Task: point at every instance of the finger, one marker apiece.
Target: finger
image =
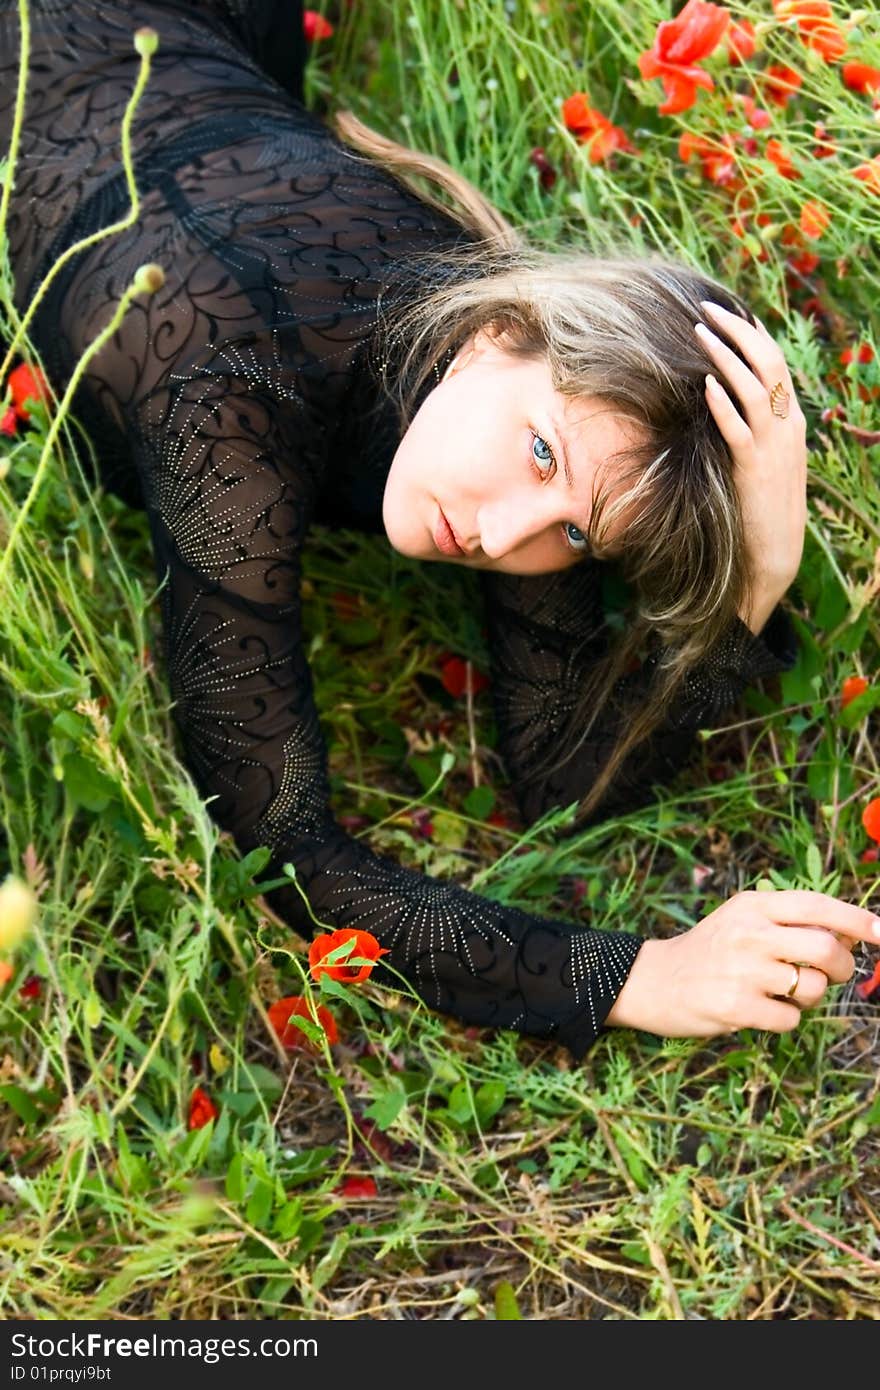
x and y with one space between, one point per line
759 349
774 1015
804 907
819 948
811 984
728 418
750 388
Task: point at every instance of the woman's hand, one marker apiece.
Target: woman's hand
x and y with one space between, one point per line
734 968
770 453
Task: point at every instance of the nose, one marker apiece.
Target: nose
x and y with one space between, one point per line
507 523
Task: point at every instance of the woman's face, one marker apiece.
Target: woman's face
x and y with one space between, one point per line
487 449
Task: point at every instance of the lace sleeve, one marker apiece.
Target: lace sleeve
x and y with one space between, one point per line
545 633
230 476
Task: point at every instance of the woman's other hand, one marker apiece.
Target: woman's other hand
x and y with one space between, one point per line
769 453
735 968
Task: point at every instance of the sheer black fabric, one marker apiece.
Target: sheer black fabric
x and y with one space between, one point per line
240 404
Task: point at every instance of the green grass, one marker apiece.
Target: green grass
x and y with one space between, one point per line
731 1179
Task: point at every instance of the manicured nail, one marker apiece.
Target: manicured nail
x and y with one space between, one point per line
711 305
712 383
703 330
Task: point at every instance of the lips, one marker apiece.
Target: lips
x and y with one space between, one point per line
444 537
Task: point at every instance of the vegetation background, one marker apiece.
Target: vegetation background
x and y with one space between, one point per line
418 1168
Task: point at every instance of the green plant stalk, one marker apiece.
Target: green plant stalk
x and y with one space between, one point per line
18 118
95 237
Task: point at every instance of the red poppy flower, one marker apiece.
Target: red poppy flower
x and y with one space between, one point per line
678 45
777 155
365 944
814 219
296 1006
32 988
860 77
869 856
27 383
852 686
546 172
871 818
9 422
864 353
593 129
865 988
804 263
357 1187
740 38
454 675
201 1109
825 148
869 172
315 26
756 116
781 83
718 157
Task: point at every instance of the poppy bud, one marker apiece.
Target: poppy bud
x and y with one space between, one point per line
148 279
18 912
146 41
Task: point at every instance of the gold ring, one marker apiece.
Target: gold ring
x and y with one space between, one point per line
795 980
779 400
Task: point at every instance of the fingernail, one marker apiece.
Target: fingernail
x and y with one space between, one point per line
875 926
710 305
701 328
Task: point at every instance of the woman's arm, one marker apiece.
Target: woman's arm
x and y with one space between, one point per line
546 632
230 476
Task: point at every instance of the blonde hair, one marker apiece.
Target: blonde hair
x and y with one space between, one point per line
618 327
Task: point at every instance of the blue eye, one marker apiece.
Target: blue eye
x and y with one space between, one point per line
578 540
536 439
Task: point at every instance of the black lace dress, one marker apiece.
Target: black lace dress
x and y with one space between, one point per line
238 405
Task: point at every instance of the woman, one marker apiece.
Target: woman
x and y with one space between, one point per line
540 413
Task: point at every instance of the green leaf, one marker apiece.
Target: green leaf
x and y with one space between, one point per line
235 1184
798 684
479 802
329 1263
19 1101
86 784
488 1100
506 1308
259 1207
386 1107
853 713
814 865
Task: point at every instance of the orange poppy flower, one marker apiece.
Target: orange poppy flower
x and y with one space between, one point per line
814 219
869 173
593 129
871 818
357 1187
864 353
6 973
781 83
852 686
740 38
865 988
804 263
365 944
201 1109
679 44
860 77
296 1006
777 155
